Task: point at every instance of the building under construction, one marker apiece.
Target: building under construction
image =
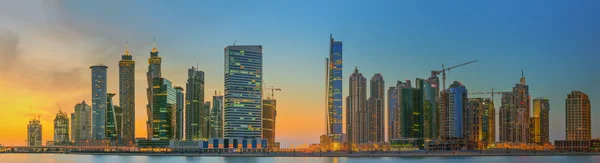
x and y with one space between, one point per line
34 132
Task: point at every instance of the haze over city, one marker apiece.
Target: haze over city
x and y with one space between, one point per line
47 47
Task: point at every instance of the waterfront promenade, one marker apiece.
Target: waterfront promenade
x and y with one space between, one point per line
357 154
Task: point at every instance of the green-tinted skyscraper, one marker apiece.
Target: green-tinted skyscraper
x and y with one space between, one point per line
194 102
113 120
164 97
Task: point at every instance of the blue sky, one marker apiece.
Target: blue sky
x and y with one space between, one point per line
556 43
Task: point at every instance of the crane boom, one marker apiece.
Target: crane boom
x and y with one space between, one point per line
443 71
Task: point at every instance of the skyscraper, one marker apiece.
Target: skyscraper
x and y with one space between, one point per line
356 109
81 128
479 122
430 91
34 132
164 97
61 129
127 97
514 114
578 123
269 116
334 91
375 112
179 104
243 91
194 102
392 99
206 120
216 117
454 102
154 71
98 101
540 122
402 112
112 123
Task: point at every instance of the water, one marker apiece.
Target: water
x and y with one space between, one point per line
66 158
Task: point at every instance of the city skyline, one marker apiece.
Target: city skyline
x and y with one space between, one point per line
570 65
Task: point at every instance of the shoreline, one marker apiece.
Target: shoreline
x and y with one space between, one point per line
340 154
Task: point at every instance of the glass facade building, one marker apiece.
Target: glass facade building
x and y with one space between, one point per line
454 102
269 117
80 122
194 102
113 126
334 90
98 101
164 98
216 117
179 113
540 122
430 98
376 112
243 91
391 103
154 71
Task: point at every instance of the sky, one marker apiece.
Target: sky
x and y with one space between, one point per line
46 48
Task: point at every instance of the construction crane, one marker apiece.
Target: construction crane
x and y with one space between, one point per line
272 89
487 93
443 71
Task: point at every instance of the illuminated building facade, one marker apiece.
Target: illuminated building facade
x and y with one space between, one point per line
514 114
216 117
154 71
540 122
61 129
194 102
243 91
430 92
127 97
578 116
206 120
34 133
333 92
179 104
98 101
454 102
164 98
477 125
356 110
392 99
113 124
375 112
269 117
81 127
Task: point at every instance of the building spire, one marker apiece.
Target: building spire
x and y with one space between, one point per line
154 48
522 77
126 48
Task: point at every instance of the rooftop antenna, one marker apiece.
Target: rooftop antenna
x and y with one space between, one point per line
234 41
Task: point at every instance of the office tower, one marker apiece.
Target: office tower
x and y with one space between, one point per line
112 123
206 120
216 117
392 99
539 122
356 109
61 129
164 97
454 102
127 97
577 114
243 91
154 71
81 127
514 114
179 104
430 92
194 101
410 110
478 122
401 120
375 112
98 101
34 132
269 116
333 92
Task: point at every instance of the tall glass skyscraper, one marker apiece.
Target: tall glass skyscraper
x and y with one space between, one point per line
164 97
112 124
194 102
334 90
243 91
127 97
154 71
540 121
80 122
179 113
391 107
430 98
98 101
216 117
454 102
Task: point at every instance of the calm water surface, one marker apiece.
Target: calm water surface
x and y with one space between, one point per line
65 158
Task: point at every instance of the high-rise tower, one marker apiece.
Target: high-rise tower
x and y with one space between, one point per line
514 114
454 102
578 122
356 109
333 91
98 101
163 109
540 121
61 129
194 102
269 117
375 111
243 91
34 132
179 105
216 117
127 97
154 71
81 127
